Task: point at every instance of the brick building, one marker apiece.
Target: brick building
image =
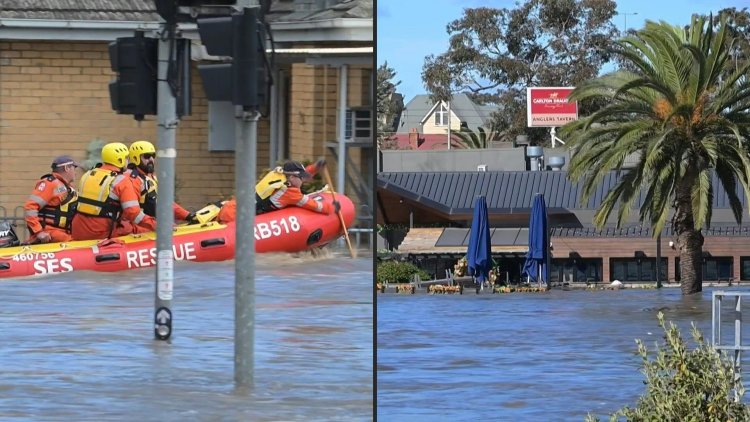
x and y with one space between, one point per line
434 207
54 98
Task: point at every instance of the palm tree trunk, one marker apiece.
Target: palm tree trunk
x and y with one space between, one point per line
690 242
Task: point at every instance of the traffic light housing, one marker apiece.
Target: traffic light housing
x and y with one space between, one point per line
243 81
135 61
189 10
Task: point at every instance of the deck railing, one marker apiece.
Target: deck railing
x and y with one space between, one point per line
736 347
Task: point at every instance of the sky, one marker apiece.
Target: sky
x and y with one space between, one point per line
409 30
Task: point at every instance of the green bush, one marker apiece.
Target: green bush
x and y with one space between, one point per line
398 272
682 385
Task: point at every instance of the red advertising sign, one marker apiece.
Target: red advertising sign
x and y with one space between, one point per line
549 107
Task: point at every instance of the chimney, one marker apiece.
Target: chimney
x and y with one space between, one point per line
414 138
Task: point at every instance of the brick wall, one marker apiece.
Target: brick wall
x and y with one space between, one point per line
313 120
607 248
54 99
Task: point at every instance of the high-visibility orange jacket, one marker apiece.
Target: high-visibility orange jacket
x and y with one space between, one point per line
51 207
125 215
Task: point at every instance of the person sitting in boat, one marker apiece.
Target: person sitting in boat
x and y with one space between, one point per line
108 200
280 188
52 204
141 167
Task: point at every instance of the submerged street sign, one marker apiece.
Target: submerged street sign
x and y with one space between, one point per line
549 107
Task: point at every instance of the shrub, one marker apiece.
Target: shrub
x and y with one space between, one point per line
399 272
682 385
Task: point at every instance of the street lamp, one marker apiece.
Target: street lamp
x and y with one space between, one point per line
625 17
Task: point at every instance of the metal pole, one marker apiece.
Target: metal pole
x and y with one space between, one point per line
166 153
343 81
658 261
449 125
244 264
552 135
273 154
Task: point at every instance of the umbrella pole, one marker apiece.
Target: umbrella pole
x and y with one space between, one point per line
539 280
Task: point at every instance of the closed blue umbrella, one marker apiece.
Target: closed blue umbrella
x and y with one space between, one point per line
479 255
535 266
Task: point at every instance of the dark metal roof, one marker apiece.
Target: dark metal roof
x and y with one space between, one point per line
145 10
642 231
507 191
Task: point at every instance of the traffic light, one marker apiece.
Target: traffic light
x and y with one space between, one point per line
240 37
135 61
188 10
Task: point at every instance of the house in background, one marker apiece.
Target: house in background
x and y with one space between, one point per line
424 124
55 71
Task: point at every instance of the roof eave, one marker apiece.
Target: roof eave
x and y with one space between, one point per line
343 29
47 29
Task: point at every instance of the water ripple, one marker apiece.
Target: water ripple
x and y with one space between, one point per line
80 346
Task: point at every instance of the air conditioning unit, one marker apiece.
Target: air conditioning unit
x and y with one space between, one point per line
482 167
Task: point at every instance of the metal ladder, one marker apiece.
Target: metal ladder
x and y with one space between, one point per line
716 338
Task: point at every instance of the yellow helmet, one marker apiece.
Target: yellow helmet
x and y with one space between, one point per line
140 147
115 153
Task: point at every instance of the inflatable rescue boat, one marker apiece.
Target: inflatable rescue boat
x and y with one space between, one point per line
291 229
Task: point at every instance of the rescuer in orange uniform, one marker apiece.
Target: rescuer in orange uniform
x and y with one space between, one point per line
283 190
142 161
52 204
108 201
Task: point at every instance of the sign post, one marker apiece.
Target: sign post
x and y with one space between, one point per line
549 107
166 152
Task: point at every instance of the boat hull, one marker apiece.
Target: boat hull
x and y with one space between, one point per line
289 230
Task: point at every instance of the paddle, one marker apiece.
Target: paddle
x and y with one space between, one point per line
341 216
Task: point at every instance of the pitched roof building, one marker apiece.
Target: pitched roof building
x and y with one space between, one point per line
430 120
55 72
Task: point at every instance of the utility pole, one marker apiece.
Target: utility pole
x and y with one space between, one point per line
166 153
242 82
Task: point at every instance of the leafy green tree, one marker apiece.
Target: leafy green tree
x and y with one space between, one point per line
389 105
738 39
685 385
682 121
495 54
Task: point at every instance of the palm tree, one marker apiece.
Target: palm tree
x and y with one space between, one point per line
468 139
681 119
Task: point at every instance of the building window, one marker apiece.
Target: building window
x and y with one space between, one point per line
441 115
715 268
636 269
361 120
745 267
581 270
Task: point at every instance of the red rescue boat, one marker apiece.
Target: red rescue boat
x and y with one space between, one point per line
289 230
